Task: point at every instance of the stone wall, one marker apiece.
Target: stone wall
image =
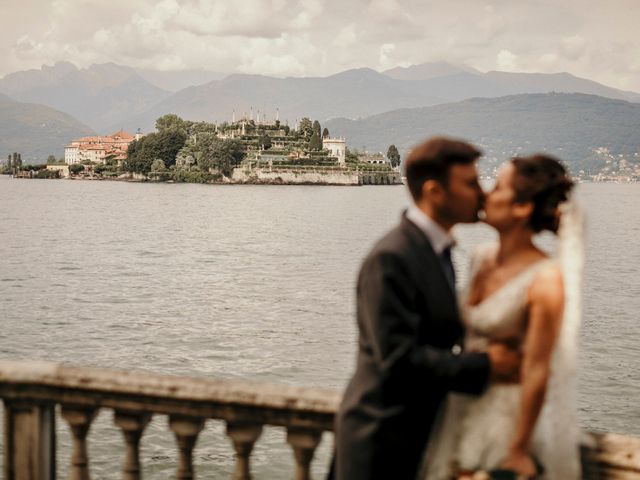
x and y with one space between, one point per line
296 177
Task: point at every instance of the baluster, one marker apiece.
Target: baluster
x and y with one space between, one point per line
132 425
243 436
79 419
29 440
186 430
304 442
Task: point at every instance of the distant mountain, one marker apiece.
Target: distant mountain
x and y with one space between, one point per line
109 97
570 126
358 93
353 93
100 96
514 83
426 71
36 131
180 79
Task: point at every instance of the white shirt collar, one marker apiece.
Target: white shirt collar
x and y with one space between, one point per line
438 236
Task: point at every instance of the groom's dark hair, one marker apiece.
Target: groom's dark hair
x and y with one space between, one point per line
433 159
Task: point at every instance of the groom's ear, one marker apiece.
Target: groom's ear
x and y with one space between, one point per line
433 191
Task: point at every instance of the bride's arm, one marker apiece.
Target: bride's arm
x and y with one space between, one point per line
546 304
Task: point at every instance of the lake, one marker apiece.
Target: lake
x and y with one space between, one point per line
254 282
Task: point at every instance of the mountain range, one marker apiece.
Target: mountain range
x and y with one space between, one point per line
109 97
357 93
101 96
571 126
36 131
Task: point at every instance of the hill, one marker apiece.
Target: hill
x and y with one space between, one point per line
571 126
36 131
109 97
358 93
353 93
426 71
100 96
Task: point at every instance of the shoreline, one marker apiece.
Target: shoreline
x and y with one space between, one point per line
264 182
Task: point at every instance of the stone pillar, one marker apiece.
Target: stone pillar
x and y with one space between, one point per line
304 443
132 425
243 436
186 430
79 420
29 441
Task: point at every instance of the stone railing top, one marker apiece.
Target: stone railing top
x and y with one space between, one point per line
29 379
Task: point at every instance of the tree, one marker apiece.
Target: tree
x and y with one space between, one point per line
221 154
317 129
51 159
393 155
158 165
315 143
76 168
169 144
265 141
325 133
351 156
305 128
164 145
172 122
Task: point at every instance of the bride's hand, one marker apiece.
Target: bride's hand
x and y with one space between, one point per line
521 463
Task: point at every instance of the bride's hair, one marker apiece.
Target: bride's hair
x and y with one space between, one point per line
543 181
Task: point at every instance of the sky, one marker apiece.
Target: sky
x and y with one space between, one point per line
589 38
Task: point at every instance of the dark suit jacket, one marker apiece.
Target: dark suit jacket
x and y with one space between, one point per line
408 322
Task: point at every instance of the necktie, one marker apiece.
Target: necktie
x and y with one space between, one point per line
447 265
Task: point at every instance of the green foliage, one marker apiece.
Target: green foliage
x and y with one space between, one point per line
317 129
76 168
163 145
393 155
265 141
315 143
325 133
197 128
171 122
158 165
305 128
51 159
28 168
195 176
351 156
44 173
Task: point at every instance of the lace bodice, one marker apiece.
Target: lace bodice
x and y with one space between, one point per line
502 315
476 432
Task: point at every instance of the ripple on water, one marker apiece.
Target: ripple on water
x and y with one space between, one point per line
237 298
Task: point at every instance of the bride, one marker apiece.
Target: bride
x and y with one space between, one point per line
519 295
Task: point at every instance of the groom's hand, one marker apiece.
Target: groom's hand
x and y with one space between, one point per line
505 363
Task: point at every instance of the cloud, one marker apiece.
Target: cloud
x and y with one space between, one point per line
346 37
573 47
318 37
507 61
384 60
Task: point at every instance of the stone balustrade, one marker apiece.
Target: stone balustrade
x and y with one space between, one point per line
32 391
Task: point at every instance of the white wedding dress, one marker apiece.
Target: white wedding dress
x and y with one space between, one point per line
475 433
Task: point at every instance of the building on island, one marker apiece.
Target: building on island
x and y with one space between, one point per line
63 169
98 149
373 158
337 147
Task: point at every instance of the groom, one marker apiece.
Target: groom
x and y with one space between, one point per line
408 356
